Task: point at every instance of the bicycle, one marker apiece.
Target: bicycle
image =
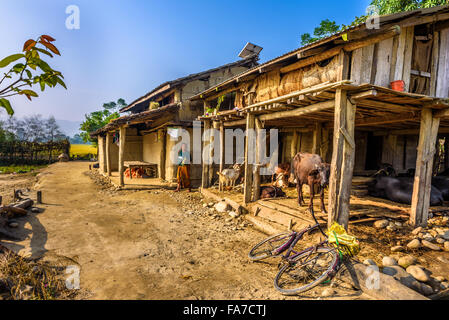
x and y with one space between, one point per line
305 269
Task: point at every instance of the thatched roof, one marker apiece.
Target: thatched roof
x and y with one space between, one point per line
356 32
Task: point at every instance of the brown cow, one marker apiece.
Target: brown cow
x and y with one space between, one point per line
310 169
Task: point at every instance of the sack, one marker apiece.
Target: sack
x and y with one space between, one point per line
338 237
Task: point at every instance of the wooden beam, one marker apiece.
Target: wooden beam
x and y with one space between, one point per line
384 105
424 166
108 154
298 111
405 132
342 160
256 179
121 156
236 123
394 31
250 123
374 121
442 113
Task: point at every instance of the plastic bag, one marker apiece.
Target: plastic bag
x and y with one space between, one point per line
338 237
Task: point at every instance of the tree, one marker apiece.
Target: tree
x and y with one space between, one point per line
52 130
383 7
98 119
325 29
21 74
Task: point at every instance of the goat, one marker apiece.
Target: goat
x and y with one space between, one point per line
228 177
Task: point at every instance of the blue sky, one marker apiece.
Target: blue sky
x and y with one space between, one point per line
126 48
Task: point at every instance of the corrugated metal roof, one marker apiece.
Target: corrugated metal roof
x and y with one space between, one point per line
172 83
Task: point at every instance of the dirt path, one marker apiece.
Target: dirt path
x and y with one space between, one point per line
145 244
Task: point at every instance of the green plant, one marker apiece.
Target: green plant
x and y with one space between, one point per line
20 76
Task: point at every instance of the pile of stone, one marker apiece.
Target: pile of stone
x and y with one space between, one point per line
407 270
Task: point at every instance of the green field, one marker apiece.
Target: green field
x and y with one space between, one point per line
82 150
20 168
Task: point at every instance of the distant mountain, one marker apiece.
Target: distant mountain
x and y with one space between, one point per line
68 127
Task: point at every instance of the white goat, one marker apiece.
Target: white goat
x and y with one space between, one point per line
228 177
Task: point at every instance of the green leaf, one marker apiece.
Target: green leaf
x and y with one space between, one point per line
29 93
5 104
61 82
10 59
44 52
42 83
44 66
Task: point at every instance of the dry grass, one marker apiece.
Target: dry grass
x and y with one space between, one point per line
24 279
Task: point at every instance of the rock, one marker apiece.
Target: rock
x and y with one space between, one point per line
369 262
418 273
433 233
417 231
210 204
430 245
408 280
233 214
446 246
444 285
398 224
440 279
13 224
414 244
445 235
391 228
406 261
389 261
381 224
328 292
440 240
205 205
222 206
397 249
35 210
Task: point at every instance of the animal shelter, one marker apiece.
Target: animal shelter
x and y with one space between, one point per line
359 99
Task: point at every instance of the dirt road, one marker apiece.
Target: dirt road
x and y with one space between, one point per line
144 244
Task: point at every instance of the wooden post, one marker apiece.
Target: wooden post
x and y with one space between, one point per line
205 173
121 156
325 141
294 145
256 182
316 144
388 154
101 146
342 160
212 152
424 166
163 155
222 152
39 197
250 122
108 154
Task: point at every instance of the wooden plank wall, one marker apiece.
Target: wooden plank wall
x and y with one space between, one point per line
385 61
442 85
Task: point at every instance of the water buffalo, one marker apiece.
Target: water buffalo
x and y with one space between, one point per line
400 190
271 192
310 169
442 184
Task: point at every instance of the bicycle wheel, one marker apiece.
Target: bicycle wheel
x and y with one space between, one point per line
306 271
265 249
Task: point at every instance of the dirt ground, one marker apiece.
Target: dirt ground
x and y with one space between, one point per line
152 244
